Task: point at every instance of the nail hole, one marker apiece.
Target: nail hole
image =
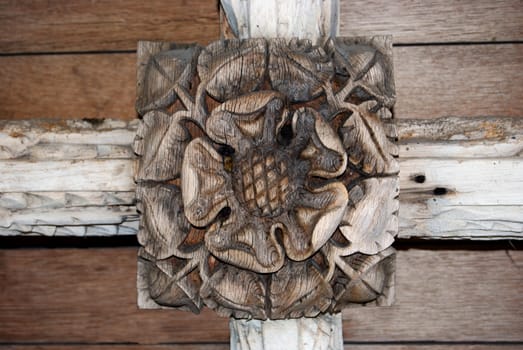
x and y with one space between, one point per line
419 179
285 135
440 191
224 214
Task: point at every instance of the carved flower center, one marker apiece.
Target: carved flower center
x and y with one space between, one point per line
263 183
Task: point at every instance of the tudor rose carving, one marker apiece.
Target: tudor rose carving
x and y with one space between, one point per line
267 180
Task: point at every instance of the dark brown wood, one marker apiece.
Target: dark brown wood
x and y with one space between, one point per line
68 86
434 21
68 26
89 296
285 202
431 81
370 346
60 25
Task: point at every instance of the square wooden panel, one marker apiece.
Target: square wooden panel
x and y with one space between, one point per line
268 179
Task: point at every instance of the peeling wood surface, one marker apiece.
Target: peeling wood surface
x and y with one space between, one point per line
431 82
88 296
457 158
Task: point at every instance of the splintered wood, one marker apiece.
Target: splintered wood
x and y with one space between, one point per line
267 181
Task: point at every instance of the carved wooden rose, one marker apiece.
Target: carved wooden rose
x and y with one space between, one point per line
267 178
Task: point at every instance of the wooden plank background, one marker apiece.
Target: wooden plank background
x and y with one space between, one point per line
75 59
82 296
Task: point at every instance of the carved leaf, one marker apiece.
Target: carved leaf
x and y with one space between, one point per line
232 68
371 224
365 63
325 151
245 242
162 72
367 146
246 120
297 69
314 219
163 227
364 279
166 290
234 292
299 290
161 141
205 183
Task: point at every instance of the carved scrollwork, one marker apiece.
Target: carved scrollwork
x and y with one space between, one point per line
267 177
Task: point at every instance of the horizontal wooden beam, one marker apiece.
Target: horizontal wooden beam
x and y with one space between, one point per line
199 346
412 22
65 26
460 178
431 81
88 296
61 25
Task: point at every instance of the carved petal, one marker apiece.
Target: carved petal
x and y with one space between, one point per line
166 290
205 183
372 223
313 220
325 150
245 242
299 290
364 278
246 120
162 72
366 143
234 292
161 141
232 68
162 229
298 69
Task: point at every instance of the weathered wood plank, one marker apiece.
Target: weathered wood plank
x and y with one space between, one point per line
434 21
61 25
370 346
68 86
89 296
468 80
431 81
448 167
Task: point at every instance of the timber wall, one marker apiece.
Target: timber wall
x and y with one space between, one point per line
76 60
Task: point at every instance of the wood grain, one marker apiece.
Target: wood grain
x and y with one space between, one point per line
437 21
431 81
446 163
61 25
369 346
89 296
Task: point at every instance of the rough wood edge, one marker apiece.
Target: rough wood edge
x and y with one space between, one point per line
485 142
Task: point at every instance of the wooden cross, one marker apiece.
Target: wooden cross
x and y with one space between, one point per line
267 182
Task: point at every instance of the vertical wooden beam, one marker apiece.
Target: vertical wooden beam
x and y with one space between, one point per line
315 20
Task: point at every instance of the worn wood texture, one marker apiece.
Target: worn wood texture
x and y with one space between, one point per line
431 82
323 332
290 183
59 26
430 196
89 296
198 346
313 20
414 22
65 26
